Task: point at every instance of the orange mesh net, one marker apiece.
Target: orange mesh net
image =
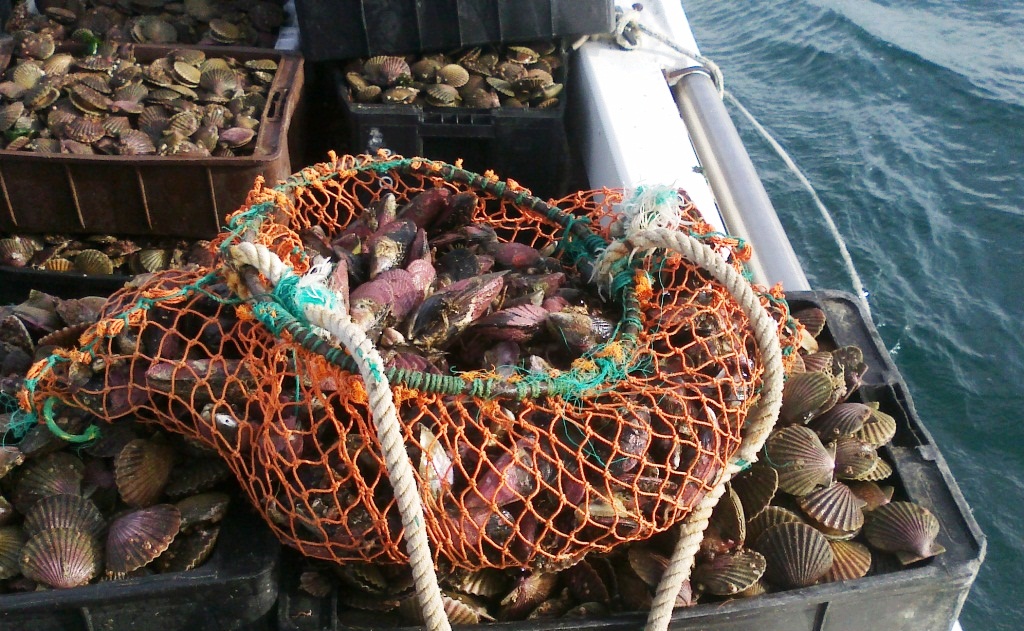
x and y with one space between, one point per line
613 445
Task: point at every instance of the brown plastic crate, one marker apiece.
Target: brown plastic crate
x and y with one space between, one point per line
148 195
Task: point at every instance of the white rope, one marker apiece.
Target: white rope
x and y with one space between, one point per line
759 422
389 433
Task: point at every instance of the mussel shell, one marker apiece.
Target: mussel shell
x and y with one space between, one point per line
852 560
854 458
797 555
835 507
142 470
730 573
64 511
805 395
904 528
800 459
12 539
756 487
61 558
136 538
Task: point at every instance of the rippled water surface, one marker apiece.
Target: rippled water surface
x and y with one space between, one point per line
908 118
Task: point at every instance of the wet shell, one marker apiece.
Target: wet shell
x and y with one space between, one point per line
872 494
53 474
10 457
116 125
881 471
879 429
769 517
453 75
94 262
236 137
142 470
27 74
905 529
89 100
728 574
368 94
263 65
10 113
58 64
813 320
188 551
61 558
425 70
727 522
225 32
135 143
819 362
756 487
133 92
852 560
37 45
186 73
41 96
138 537
85 129
802 462
797 555
835 507
12 538
502 86
391 70
184 123
804 396
487 582
854 458
844 419
16 251
522 54
190 56
400 94
207 508
442 95
219 81
64 511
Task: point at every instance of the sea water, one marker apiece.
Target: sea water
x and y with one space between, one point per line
908 119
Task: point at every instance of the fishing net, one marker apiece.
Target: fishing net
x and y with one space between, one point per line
517 466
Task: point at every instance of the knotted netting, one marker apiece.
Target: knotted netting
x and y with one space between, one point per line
529 463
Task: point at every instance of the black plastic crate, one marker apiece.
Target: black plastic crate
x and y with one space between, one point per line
526 145
925 597
234 590
17 282
343 29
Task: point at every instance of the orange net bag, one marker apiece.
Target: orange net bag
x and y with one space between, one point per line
517 466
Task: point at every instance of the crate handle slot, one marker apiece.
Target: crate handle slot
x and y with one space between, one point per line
274 104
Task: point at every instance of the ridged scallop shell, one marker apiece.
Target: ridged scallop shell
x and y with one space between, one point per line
879 429
486 582
85 129
136 538
804 396
11 90
881 471
190 56
219 81
89 100
100 63
844 419
134 92
46 145
547 104
154 120
12 539
392 69
94 263
116 125
10 457
196 476
188 551
835 507
58 65
727 522
184 123
53 474
442 95
27 74
800 459
100 83
225 32
872 494
766 519
15 251
479 98
41 96
522 54
905 529
60 558
797 555
235 137
184 91
819 362
142 470
10 113
812 318
37 45
135 143
367 94
453 75
18 143
851 560
186 73
854 458
756 487
64 511
425 70
398 94
510 71
263 65
202 508
729 574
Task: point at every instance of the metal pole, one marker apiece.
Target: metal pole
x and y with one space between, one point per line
741 197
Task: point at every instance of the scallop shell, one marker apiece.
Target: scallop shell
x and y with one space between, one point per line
881 471
16 251
116 125
879 429
547 104
53 474
142 470
154 120
424 70
27 74
60 558
46 145
479 98
453 75
769 517
10 113
94 263
729 574
58 65
905 529
138 537
225 32
851 560
813 320
800 459
85 129
756 487
37 46
834 507
219 81
522 54
150 29
727 522
872 494
41 96
89 100
819 362
12 538
854 458
186 73
235 137
207 508
98 63
388 71
263 65
134 92
486 582
804 396
368 94
190 56
18 143
844 419
442 95
797 555
100 83
10 457
135 143
188 551
64 511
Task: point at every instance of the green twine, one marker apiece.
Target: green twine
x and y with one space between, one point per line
91 433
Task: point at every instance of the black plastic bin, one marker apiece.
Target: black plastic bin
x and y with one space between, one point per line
234 590
342 29
17 282
926 597
526 145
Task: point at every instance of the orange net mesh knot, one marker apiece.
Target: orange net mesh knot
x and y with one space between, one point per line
533 477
